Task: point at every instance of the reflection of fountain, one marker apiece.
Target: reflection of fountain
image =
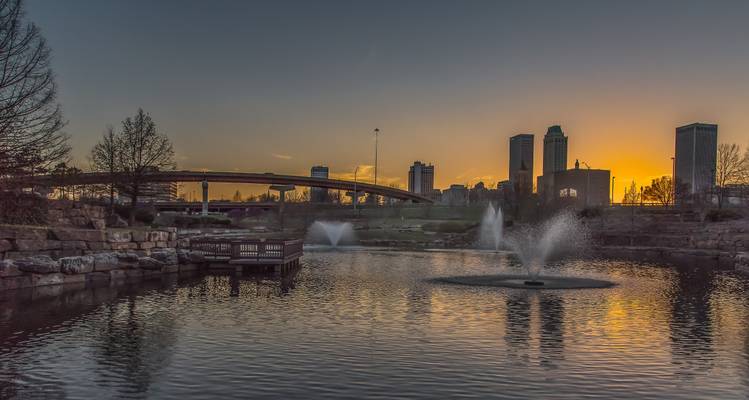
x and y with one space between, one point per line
333 232
490 235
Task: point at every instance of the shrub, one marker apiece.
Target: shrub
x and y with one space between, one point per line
21 208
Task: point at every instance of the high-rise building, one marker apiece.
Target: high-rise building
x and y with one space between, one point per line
521 160
319 195
421 178
695 158
555 150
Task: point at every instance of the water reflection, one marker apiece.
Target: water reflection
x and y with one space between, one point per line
551 309
372 324
691 324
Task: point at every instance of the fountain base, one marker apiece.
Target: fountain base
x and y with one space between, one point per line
522 282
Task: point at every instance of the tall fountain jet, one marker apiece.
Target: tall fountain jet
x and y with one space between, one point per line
490 235
333 232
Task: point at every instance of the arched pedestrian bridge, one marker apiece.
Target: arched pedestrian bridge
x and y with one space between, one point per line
96 178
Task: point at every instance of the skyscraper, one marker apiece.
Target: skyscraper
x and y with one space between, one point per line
421 178
695 158
521 160
319 195
555 150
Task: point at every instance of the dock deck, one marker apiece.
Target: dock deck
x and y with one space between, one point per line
240 252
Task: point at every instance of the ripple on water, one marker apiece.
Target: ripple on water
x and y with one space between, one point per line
373 324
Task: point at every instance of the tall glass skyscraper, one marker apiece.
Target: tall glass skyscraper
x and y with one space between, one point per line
555 150
695 157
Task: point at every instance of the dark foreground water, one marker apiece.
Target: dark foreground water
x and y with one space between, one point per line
368 324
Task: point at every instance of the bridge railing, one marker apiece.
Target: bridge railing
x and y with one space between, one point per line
258 250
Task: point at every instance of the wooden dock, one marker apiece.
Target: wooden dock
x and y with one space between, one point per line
227 253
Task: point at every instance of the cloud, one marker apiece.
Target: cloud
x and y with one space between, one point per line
366 174
281 156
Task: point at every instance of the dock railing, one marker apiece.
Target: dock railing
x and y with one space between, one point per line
248 251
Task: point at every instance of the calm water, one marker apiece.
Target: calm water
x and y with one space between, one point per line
367 324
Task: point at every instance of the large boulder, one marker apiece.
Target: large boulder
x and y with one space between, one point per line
77 265
9 268
115 221
166 256
119 236
38 265
87 235
5 245
105 261
150 263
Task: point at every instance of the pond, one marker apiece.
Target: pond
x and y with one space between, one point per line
372 323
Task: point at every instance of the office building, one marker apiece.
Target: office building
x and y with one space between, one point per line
421 178
577 187
319 195
695 157
521 162
555 150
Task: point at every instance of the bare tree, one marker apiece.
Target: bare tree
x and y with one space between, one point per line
731 168
661 190
142 150
30 117
105 158
631 195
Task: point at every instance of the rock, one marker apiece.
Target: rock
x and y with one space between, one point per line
150 263
74 244
158 236
5 245
114 221
87 235
172 236
47 279
127 257
37 245
166 256
77 265
162 245
22 232
119 236
99 246
140 235
183 256
8 268
124 246
38 265
98 223
75 278
105 261
146 245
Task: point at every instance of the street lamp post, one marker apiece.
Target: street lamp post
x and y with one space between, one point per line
354 198
613 180
376 132
673 180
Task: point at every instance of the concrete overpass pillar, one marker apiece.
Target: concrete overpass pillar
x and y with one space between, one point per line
205 198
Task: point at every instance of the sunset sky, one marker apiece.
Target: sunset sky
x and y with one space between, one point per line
279 86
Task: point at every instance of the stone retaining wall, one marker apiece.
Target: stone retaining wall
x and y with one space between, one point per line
669 235
97 268
76 214
18 241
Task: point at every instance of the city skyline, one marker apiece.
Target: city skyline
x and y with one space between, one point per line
275 109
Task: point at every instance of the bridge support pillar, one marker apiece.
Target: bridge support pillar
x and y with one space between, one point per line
205 198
